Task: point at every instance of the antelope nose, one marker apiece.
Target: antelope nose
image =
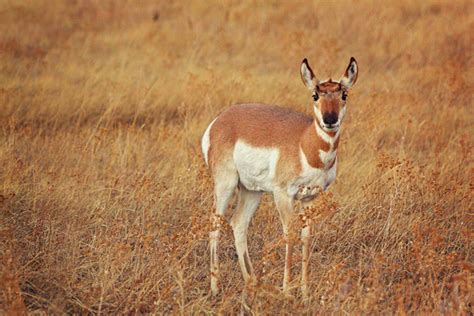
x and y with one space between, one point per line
330 118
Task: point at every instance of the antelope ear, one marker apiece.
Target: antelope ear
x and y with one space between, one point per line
350 76
307 75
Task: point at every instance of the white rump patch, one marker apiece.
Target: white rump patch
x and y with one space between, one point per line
256 166
206 142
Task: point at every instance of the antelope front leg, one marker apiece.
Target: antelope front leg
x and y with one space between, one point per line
284 204
288 262
305 240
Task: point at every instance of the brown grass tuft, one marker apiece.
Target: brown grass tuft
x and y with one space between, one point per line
104 199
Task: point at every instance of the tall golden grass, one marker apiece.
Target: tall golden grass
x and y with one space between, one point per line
104 198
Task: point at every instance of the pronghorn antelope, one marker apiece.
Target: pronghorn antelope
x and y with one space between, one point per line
265 148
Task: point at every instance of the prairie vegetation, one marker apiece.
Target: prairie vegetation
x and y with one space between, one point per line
104 198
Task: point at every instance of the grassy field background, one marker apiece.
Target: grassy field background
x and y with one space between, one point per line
104 198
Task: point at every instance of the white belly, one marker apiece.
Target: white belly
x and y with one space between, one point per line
256 166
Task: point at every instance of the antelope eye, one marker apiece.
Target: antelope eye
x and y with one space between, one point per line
315 97
344 96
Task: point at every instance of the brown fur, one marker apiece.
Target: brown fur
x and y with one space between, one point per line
262 125
311 146
329 87
330 103
330 99
336 144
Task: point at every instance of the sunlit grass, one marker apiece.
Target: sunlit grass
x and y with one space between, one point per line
104 198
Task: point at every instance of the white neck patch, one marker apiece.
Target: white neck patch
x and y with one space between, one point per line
326 137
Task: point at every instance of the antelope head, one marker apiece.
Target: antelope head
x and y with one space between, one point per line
329 96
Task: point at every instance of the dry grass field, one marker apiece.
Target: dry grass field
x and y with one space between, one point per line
105 200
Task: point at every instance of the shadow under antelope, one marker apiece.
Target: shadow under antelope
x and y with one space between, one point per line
265 148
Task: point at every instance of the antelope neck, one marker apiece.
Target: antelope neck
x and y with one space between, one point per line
315 141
